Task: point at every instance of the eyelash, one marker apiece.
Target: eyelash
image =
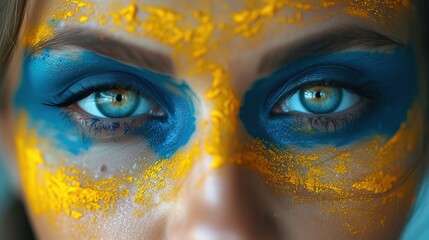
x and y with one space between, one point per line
331 122
95 127
70 96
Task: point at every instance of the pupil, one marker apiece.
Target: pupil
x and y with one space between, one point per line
318 94
320 99
119 98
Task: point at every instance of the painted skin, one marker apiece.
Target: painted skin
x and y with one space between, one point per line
220 171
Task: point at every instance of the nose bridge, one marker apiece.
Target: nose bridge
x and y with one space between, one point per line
220 199
222 140
228 202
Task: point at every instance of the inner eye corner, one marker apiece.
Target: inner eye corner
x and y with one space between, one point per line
157 111
275 109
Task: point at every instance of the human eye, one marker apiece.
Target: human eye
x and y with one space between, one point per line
332 99
111 104
90 99
119 103
318 99
324 100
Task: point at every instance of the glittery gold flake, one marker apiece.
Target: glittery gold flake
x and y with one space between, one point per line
250 21
52 190
162 179
42 33
380 11
322 172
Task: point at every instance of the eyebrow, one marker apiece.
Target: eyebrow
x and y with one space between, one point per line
108 46
330 41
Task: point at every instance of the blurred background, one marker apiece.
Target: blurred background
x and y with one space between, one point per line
5 194
13 221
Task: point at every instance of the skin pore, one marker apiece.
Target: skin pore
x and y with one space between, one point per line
185 120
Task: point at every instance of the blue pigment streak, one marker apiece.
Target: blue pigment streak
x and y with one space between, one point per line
53 22
388 80
52 76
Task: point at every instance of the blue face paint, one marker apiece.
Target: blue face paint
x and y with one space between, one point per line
50 122
53 22
387 80
56 79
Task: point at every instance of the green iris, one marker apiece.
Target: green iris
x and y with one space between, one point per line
321 99
117 103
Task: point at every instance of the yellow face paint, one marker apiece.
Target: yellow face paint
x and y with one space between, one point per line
365 168
297 172
379 11
166 25
382 165
55 188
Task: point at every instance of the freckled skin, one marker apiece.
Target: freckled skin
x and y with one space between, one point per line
222 189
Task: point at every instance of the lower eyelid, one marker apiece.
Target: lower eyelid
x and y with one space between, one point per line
102 128
284 106
332 122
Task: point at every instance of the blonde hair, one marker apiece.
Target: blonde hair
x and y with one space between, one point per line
11 17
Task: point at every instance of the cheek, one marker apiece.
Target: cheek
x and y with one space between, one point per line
53 185
366 187
368 217
95 183
371 166
373 216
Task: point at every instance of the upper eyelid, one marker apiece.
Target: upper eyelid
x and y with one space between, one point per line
323 82
332 40
78 91
104 44
58 71
301 79
77 85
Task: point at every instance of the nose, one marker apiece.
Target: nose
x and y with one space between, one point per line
228 203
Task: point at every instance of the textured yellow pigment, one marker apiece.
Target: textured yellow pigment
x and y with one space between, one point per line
250 21
83 19
341 168
40 34
246 22
51 190
379 182
65 190
163 179
163 25
378 10
335 172
76 9
79 10
372 166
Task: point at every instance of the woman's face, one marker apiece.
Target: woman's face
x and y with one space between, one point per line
205 119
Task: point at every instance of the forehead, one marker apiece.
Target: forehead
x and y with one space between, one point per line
243 17
234 34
